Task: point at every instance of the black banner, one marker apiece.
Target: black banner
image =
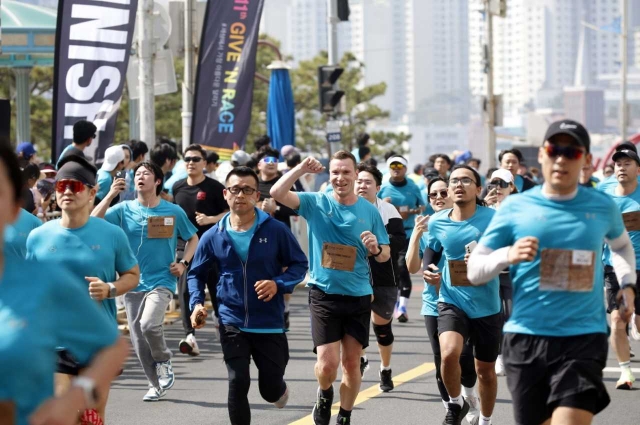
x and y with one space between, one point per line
226 68
93 43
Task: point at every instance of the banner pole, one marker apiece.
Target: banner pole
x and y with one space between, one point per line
187 83
145 73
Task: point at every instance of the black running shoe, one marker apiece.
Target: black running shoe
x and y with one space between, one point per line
364 366
386 383
343 421
322 410
455 414
286 320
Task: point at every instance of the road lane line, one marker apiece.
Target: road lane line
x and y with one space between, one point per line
374 391
618 370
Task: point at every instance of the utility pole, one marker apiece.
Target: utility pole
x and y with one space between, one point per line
187 83
623 71
332 43
146 50
490 109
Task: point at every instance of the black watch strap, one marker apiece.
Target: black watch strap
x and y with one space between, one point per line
379 251
185 263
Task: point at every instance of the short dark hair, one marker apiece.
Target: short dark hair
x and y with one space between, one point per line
82 130
161 153
31 171
10 160
363 151
138 148
363 139
437 179
155 169
262 142
418 169
293 159
174 146
476 177
370 161
265 152
212 157
443 156
342 154
389 155
490 172
377 175
243 171
514 151
196 148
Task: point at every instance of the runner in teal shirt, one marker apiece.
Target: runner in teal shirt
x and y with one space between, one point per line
15 235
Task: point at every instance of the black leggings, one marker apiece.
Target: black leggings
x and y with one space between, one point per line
185 296
506 299
404 277
270 352
468 377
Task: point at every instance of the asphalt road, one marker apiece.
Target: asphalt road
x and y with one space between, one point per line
199 396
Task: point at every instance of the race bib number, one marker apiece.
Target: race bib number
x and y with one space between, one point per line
404 211
160 227
338 257
631 221
458 273
7 413
567 270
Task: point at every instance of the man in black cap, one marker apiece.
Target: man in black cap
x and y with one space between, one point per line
93 250
626 195
611 180
83 134
551 237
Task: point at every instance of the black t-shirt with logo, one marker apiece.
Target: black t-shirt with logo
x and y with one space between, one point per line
205 197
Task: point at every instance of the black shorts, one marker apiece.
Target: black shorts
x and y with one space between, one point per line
544 373
67 363
333 316
484 333
384 301
612 287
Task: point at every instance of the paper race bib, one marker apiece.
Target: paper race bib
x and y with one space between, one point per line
160 227
567 270
631 221
339 257
458 273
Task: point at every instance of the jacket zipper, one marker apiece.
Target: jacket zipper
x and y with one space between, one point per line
244 276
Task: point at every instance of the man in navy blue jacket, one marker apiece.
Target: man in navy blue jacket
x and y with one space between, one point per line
259 261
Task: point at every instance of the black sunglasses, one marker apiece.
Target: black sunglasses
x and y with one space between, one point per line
434 195
192 158
568 152
499 183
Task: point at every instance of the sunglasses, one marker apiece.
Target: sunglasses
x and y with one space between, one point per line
74 185
568 152
188 159
499 183
434 195
270 160
396 166
235 190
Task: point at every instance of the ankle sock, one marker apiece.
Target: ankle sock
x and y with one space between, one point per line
484 420
328 393
456 400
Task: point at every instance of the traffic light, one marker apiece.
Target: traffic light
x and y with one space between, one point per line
329 95
343 10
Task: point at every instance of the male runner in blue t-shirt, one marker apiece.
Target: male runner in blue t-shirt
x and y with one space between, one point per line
555 342
344 230
627 196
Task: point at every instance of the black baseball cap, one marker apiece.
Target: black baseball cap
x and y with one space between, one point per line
626 149
570 128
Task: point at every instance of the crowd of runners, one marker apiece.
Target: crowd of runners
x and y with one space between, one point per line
520 268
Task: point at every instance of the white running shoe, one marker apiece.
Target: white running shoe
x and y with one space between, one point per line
189 346
626 380
635 333
500 366
473 416
166 378
282 401
154 394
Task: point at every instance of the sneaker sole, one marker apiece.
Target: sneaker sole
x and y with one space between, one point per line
185 348
385 390
168 387
624 386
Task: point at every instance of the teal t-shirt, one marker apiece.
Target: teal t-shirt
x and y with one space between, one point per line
104 183
407 196
452 236
429 294
240 240
581 223
48 309
179 172
328 221
15 235
630 203
97 249
606 184
154 255
519 182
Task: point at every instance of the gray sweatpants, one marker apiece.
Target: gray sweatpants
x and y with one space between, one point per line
145 313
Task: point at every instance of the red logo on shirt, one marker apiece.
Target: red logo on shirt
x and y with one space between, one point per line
202 196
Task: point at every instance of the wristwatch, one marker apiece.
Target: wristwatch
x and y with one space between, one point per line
185 263
88 386
113 292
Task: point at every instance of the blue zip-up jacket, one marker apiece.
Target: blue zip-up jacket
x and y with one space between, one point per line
273 247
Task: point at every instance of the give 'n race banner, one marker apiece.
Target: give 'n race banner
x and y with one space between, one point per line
226 68
93 43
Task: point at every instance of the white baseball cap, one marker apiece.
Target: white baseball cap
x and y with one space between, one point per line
502 174
112 157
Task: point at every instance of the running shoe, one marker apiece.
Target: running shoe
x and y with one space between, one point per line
343 421
154 394
626 380
282 401
635 333
286 320
386 383
166 378
500 366
364 366
189 346
402 315
456 413
473 416
322 410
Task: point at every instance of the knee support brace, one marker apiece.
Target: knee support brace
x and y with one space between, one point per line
384 334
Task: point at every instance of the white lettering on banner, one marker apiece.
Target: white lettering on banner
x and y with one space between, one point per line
94 112
102 74
99 18
90 53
